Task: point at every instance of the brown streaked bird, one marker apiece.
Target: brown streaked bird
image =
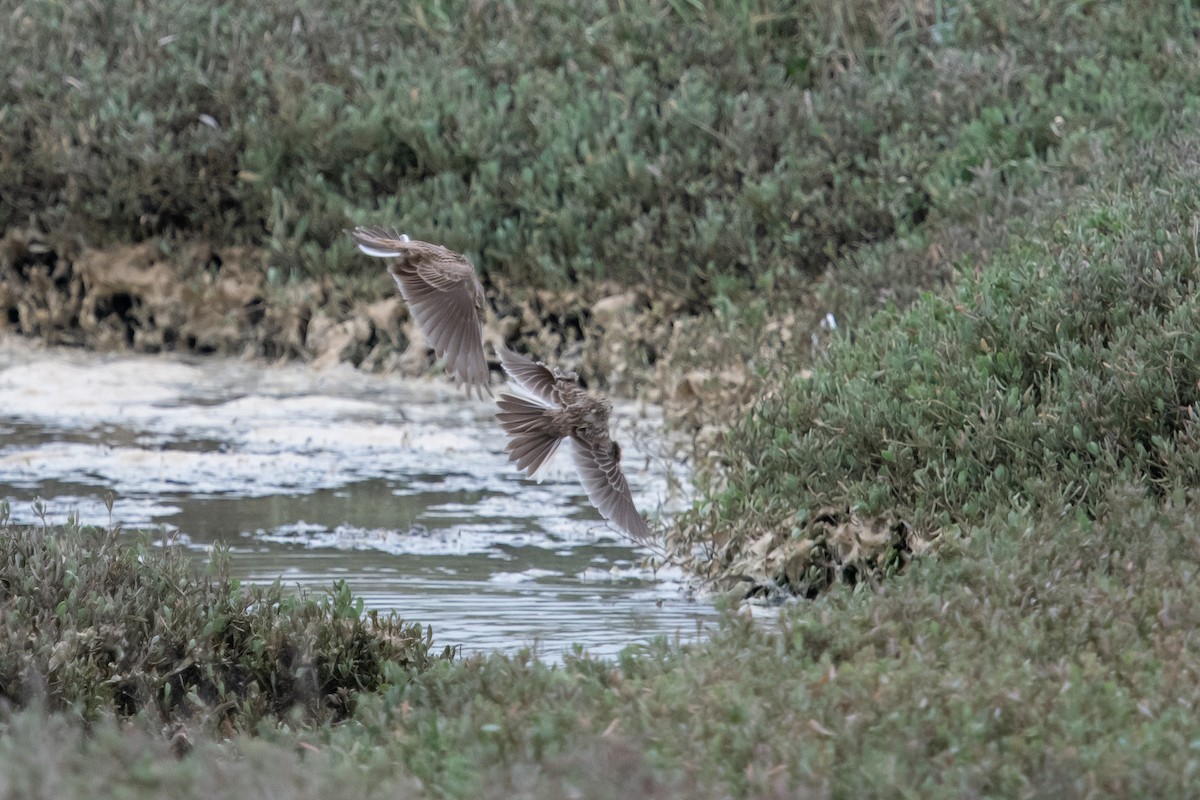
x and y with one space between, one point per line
553 407
444 295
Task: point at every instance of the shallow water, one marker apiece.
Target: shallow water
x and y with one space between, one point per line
398 486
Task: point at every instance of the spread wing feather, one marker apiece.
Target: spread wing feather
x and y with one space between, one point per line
536 379
448 319
443 294
531 443
599 467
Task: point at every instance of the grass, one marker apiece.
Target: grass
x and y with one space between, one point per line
1047 656
1064 366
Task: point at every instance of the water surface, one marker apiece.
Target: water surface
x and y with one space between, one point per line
398 486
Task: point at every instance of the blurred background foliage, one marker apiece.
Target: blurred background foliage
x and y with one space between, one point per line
707 148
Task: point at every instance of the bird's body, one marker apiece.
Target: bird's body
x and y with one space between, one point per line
443 294
552 408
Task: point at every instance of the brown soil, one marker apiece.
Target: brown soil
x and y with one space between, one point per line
199 298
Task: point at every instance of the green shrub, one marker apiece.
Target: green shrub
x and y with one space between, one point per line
690 146
1068 364
1048 657
95 624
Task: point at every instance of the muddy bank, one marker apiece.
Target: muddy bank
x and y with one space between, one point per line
199 298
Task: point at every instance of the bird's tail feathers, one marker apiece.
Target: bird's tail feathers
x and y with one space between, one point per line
530 441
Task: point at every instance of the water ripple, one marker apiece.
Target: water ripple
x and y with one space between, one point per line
400 487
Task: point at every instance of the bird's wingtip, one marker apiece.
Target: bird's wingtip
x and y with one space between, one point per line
376 233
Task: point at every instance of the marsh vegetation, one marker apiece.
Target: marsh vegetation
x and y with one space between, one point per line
980 482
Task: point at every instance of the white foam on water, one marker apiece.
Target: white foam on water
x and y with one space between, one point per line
524 576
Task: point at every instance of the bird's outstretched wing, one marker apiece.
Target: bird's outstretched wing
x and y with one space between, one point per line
536 379
447 304
531 441
443 294
599 465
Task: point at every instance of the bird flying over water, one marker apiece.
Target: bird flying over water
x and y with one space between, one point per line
552 407
443 294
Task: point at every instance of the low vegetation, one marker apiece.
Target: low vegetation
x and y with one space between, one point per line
1040 657
981 480
1066 365
92 625
697 148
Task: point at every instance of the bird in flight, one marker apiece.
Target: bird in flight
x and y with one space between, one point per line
443 294
552 407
